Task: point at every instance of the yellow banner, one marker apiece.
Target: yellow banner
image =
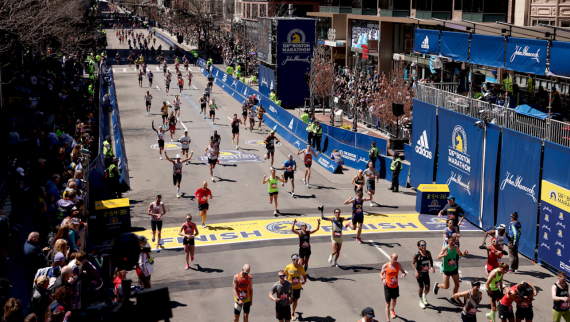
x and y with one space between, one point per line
110 204
433 188
246 231
555 195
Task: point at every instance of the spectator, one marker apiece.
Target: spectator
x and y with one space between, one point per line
65 279
13 311
64 206
60 246
40 297
51 187
34 257
514 236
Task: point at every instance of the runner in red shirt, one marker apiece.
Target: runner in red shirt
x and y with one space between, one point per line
309 153
202 195
188 231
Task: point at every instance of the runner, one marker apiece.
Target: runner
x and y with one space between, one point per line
448 231
421 263
494 288
160 138
202 195
235 131
270 146
156 210
147 100
213 109
272 185
559 290
367 315
140 74
207 92
494 255
203 101
290 166
524 306
453 211
389 276
164 67
185 141
243 293
358 182
189 77
449 255
150 77
294 272
515 293
167 84
164 113
498 233
357 214
177 101
217 139
281 293
251 119
180 83
260 111
309 153
172 125
336 237
188 231
304 242
472 299
118 57
244 110
212 152
211 81
177 170
371 173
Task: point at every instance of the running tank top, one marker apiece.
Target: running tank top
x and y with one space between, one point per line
450 261
308 158
336 228
211 153
392 275
177 167
357 208
243 288
160 135
177 103
495 283
561 292
470 307
500 239
304 241
358 181
506 301
189 229
235 125
272 184
493 260
215 139
422 263
156 209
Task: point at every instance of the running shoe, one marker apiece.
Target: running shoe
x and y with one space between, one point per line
161 157
293 317
393 314
435 288
335 264
422 305
371 204
203 226
424 298
346 225
204 117
237 147
232 142
282 184
157 249
330 259
359 240
454 301
264 157
213 179
304 182
187 266
275 214
191 258
153 239
178 196
292 193
511 271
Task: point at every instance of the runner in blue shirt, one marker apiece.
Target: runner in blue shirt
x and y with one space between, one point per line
357 213
290 166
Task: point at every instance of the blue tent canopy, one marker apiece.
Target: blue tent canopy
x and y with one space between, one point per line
533 110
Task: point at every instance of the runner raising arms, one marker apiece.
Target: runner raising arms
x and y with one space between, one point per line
188 231
471 300
270 146
272 184
260 111
309 153
160 139
290 166
235 131
185 141
494 288
243 293
156 210
389 276
449 256
213 109
202 195
304 242
172 125
294 272
357 213
421 264
212 152
336 237
147 100
177 170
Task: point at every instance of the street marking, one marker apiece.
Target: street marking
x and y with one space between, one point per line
157 69
382 251
194 87
157 87
124 70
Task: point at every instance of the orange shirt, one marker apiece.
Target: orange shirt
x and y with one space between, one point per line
243 285
392 275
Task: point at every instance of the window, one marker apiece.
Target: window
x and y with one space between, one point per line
565 23
254 11
263 10
424 5
248 11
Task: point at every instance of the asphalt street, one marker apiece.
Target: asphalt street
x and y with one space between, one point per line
204 293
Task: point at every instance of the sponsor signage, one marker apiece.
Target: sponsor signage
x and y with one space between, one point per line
234 156
554 218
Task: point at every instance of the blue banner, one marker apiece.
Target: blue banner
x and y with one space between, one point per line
455 45
408 153
487 50
426 41
559 62
424 141
555 166
295 39
120 151
342 135
266 80
460 146
490 175
518 185
364 142
526 55
352 157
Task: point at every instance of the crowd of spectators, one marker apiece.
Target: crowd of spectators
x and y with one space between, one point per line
50 120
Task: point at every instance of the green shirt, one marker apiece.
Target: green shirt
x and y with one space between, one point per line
278 103
495 281
450 261
305 118
272 184
212 106
272 96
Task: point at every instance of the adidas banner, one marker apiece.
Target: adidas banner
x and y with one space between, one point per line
424 142
426 41
460 157
519 183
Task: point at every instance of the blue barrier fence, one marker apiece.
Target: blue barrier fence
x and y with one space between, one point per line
120 151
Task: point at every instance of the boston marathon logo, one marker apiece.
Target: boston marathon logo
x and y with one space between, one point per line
296 44
458 157
168 146
284 227
234 156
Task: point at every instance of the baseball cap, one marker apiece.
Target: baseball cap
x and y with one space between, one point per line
185 131
272 131
59 257
501 227
515 215
369 312
451 197
178 156
143 238
294 257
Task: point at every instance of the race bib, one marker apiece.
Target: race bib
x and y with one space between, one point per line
451 262
273 186
295 280
242 295
205 198
393 281
289 170
523 305
337 234
305 245
451 216
371 176
177 170
358 210
564 305
283 297
472 310
425 268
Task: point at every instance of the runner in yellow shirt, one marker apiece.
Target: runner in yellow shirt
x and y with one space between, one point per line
294 272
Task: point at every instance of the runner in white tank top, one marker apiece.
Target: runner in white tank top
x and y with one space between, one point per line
156 210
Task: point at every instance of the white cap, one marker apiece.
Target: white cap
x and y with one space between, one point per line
294 257
20 171
178 156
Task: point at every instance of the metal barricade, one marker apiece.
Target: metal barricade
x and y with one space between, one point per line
559 133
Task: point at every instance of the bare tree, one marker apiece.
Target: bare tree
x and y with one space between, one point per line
321 75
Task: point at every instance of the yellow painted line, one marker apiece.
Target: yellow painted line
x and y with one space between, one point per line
258 230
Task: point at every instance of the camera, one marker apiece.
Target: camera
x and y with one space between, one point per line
321 208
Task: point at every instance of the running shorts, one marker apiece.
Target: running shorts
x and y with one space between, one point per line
189 242
283 312
147 103
297 293
176 178
451 273
337 240
359 219
176 108
243 113
161 143
212 112
495 295
524 313
423 280
391 293
203 206
505 312
289 175
245 308
185 149
274 193
370 185
213 161
270 150
156 224
304 252
168 86
140 78
235 130
468 318
558 315
308 165
172 127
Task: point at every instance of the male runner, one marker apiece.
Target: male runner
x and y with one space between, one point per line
189 77
147 99
471 300
251 119
177 101
304 242
421 263
294 272
449 256
150 77
524 305
172 125
185 141
371 173
164 113
453 211
180 83
118 57
358 182
357 213
243 293
336 237
164 67
212 152
260 111
160 138
167 84
140 74
244 110
309 153
270 146
188 231
177 170
235 131
156 210
561 300
494 255
494 288
281 293
272 185
202 195
290 166
203 101
389 276
213 109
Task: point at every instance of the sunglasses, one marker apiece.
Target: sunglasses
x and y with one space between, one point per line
281 276
423 245
188 219
303 225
